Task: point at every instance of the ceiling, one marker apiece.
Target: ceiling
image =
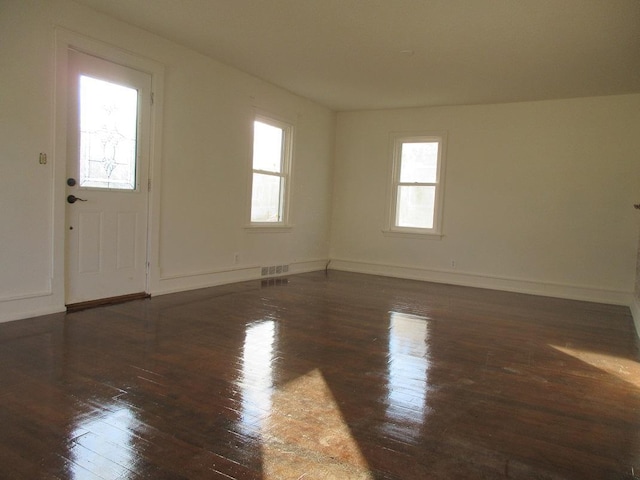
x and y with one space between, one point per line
371 54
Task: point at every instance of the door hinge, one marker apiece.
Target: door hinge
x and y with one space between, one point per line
149 185
152 98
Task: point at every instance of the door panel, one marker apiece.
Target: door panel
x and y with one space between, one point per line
107 170
89 234
126 240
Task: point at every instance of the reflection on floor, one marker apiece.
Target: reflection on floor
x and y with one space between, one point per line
323 376
103 444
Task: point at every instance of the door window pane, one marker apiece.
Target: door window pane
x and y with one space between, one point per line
266 204
415 206
108 134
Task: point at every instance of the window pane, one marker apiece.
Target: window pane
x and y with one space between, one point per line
415 206
108 130
266 205
267 147
419 162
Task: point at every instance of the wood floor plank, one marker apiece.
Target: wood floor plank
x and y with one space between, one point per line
323 375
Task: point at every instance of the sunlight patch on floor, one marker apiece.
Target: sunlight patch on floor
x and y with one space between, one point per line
623 368
306 437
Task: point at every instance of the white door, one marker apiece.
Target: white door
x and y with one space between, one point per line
107 179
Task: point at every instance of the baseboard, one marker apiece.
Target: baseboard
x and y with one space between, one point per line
635 313
484 281
30 313
191 281
308 266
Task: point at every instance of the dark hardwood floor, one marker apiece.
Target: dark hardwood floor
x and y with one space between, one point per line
323 376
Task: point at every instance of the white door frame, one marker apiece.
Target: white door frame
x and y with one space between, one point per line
66 40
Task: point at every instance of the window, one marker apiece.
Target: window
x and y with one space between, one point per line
417 184
272 148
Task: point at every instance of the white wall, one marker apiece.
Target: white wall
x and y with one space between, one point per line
637 290
200 200
26 112
538 197
635 304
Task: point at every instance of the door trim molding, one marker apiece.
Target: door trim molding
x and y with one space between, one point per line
64 41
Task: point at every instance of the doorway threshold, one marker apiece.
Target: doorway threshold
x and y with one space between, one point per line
100 302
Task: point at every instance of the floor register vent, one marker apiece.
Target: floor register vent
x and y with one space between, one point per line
274 270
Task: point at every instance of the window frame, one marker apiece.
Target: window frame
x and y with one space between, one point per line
396 142
284 174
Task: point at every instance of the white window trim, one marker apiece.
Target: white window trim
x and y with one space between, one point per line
284 225
396 141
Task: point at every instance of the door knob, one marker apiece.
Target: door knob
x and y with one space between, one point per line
71 182
74 199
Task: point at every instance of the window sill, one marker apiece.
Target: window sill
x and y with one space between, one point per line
268 228
412 234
